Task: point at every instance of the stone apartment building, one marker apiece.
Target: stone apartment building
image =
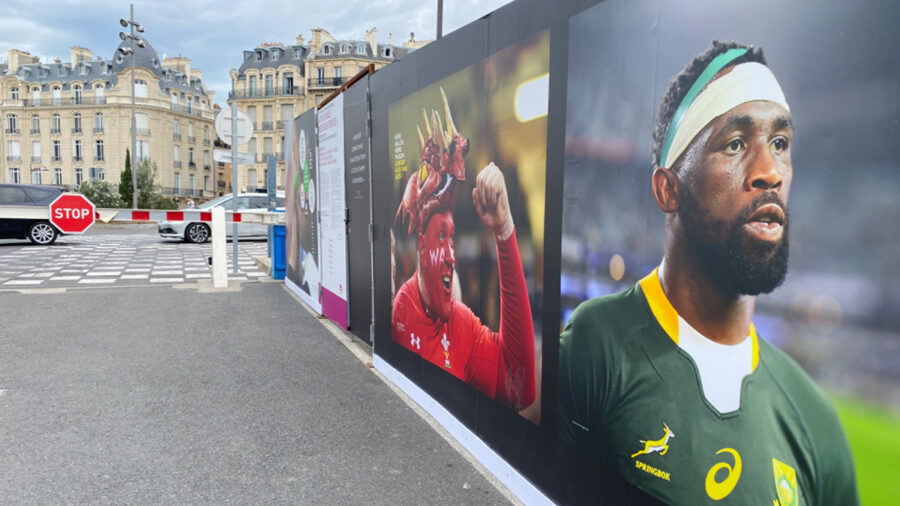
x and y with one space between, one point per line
66 122
277 82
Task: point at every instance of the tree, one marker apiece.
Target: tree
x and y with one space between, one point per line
101 193
126 190
149 193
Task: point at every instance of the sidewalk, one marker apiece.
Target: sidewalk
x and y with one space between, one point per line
156 395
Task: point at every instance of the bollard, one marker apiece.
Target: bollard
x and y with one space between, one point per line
219 257
278 258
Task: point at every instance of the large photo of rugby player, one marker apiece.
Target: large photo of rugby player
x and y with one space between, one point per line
469 168
712 315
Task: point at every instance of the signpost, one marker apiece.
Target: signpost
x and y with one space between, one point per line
72 213
234 129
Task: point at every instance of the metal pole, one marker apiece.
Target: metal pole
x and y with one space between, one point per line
134 189
234 180
440 18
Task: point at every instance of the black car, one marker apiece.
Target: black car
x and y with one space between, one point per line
38 231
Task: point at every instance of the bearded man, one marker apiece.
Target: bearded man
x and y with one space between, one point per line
668 381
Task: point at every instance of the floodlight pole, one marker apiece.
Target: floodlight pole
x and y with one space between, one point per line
440 18
134 189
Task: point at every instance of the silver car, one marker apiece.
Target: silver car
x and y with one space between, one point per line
197 232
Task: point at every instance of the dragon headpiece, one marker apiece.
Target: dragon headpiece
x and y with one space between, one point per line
434 185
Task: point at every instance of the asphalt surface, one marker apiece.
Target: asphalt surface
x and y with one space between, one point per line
162 395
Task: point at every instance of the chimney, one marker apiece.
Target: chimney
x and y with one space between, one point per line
372 40
17 57
300 41
79 54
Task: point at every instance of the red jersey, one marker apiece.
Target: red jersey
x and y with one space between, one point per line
499 364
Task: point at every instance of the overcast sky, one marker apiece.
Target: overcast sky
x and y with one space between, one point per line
212 33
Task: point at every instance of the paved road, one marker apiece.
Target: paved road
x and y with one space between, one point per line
157 395
120 255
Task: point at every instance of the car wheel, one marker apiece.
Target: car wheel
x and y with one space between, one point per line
196 233
42 233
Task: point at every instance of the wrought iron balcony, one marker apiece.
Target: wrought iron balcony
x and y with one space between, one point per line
77 158
266 125
192 139
142 131
13 158
98 130
13 131
192 165
206 167
265 93
326 82
56 158
98 158
55 131
177 163
207 142
35 159
35 131
76 130
176 136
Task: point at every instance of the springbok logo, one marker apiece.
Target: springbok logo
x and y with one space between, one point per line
660 445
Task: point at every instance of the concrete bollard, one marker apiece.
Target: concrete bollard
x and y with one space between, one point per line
219 255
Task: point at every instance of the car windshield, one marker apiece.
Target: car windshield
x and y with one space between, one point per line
215 202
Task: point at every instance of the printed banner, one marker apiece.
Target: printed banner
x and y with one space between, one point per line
302 229
333 213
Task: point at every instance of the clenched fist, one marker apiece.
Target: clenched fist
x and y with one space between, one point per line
492 203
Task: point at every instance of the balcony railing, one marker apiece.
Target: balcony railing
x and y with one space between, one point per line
13 158
220 183
172 191
177 163
35 159
98 158
55 131
280 157
206 167
99 100
35 131
56 158
192 139
267 125
98 130
142 131
274 92
76 130
326 82
32 102
12 131
192 165
279 125
206 142
77 158
176 136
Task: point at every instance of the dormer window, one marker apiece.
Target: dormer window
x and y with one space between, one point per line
387 52
361 48
274 54
298 54
259 56
345 48
14 93
326 49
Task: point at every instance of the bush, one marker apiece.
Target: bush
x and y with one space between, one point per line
101 193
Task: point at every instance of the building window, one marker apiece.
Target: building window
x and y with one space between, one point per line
79 177
387 52
274 54
76 95
191 182
143 150
14 154
345 48
76 150
15 176
318 99
252 84
175 131
36 151
174 101
287 83
98 123
98 93
35 176
206 134
259 56
361 48
76 123
12 124
206 183
35 124
190 155
176 182
190 131
140 88
55 124
14 93
320 76
57 95
101 174
326 49
36 96
176 154
98 150
57 176
251 180
298 54
142 123
338 72
270 87
57 151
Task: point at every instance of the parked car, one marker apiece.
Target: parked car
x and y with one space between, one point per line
38 231
198 232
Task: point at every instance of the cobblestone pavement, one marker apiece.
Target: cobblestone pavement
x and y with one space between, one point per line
116 258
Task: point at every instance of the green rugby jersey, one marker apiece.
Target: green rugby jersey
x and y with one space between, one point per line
629 396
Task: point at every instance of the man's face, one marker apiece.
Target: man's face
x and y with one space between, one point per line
436 263
734 184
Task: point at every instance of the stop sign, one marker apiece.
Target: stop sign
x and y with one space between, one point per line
72 213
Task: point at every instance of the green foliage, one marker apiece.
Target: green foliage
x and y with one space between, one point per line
101 194
875 443
125 184
149 193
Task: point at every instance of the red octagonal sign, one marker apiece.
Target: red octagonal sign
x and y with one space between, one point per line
72 213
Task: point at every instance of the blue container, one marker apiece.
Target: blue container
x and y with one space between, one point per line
279 261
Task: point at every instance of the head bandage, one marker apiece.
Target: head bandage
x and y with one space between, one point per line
746 82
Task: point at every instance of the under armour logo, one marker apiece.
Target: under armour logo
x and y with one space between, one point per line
415 341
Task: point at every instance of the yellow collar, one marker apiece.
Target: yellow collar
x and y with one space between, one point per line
667 317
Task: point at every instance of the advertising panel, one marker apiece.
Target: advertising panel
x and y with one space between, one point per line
302 230
333 210
356 152
702 138
468 168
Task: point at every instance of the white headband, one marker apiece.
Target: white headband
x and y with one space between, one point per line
746 82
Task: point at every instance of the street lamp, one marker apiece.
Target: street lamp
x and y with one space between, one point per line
135 39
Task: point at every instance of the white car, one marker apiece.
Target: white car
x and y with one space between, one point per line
197 232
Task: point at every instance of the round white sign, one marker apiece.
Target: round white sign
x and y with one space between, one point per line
244 127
